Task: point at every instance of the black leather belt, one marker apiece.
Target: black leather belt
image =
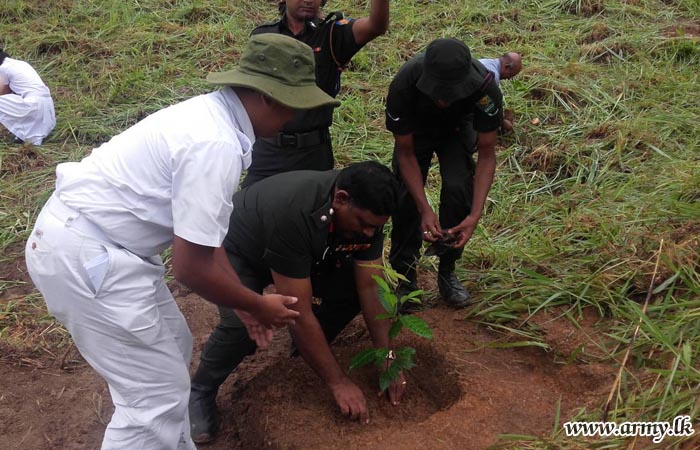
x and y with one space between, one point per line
299 140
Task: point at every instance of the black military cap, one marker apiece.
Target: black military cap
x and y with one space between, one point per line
448 74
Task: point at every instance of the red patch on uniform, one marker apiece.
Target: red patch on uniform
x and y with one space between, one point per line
351 247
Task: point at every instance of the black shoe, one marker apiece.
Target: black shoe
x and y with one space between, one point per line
17 141
452 290
204 422
408 307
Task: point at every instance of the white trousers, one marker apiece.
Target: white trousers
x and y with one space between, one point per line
124 322
29 118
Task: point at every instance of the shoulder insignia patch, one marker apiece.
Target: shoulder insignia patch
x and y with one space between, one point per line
487 105
342 22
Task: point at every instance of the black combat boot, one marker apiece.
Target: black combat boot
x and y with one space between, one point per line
226 347
204 420
452 291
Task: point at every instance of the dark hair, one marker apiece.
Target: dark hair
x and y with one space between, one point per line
371 186
3 55
282 6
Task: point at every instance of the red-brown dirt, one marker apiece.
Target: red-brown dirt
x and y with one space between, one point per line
462 394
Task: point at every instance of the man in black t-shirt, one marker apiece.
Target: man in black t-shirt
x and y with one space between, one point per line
305 142
312 234
441 102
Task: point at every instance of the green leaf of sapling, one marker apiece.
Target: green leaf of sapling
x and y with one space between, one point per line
384 381
381 283
380 357
388 301
363 358
417 326
412 297
395 329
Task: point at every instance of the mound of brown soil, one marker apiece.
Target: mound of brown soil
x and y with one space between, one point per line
461 395
299 412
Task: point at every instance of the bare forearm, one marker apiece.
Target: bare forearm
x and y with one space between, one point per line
222 288
413 179
367 28
313 347
378 329
379 16
483 178
368 293
213 279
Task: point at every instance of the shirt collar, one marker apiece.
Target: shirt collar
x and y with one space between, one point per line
284 25
240 115
323 216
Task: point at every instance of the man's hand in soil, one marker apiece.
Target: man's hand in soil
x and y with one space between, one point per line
350 400
262 335
508 120
396 390
313 347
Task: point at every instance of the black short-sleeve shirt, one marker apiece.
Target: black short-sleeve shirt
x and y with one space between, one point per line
334 36
408 110
284 223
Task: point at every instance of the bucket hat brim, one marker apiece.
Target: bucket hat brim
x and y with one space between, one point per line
438 89
306 96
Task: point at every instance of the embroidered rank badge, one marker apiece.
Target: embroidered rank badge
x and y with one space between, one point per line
351 247
487 105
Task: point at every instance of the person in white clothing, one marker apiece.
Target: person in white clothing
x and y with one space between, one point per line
26 107
504 67
169 179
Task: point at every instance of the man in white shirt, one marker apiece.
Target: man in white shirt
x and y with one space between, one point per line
169 179
26 107
504 67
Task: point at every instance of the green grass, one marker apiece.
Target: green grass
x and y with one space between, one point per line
581 199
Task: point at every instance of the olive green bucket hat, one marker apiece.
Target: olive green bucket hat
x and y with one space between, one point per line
279 67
